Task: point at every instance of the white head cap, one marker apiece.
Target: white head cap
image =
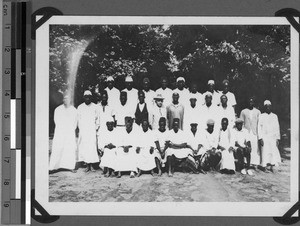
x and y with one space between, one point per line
212 82
208 94
193 96
87 93
109 78
128 79
267 102
180 79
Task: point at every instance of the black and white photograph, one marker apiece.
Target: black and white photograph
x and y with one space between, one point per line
192 116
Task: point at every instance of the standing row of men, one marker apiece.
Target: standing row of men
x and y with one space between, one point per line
142 130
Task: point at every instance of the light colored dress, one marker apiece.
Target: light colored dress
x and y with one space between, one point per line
63 154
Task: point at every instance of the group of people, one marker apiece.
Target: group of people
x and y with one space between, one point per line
136 131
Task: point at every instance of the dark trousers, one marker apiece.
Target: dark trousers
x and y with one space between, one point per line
240 154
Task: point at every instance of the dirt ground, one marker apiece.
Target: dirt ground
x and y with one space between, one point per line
183 187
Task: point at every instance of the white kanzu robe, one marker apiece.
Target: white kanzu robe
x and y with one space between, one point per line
113 96
87 124
127 161
268 131
191 115
145 160
63 154
109 157
250 118
194 140
162 138
226 141
178 138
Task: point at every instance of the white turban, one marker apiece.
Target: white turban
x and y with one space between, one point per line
267 102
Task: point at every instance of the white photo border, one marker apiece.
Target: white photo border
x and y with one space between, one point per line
154 208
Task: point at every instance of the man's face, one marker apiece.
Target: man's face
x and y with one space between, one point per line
145 126
104 98
210 128
176 126
194 88
193 102
87 99
194 128
224 124
123 99
146 85
180 84
110 84
211 87
159 102
128 124
67 101
129 85
239 126
223 100
162 125
208 99
251 103
141 98
110 126
225 87
175 98
268 108
164 83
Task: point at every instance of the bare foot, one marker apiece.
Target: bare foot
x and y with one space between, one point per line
170 174
74 171
119 175
107 174
92 169
87 170
138 174
159 173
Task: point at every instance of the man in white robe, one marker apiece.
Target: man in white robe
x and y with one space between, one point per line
147 156
250 117
269 136
132 93
226 144
88 124
63 153
226 111
215 94
242 148
105 111
112 92
161 141
195 140
122 110
212 156
108 145
208 111
126 150
182 91
194 93
230 96
158 111
191 113
165 92
177 147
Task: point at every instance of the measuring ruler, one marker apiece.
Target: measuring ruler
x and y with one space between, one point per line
13 105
